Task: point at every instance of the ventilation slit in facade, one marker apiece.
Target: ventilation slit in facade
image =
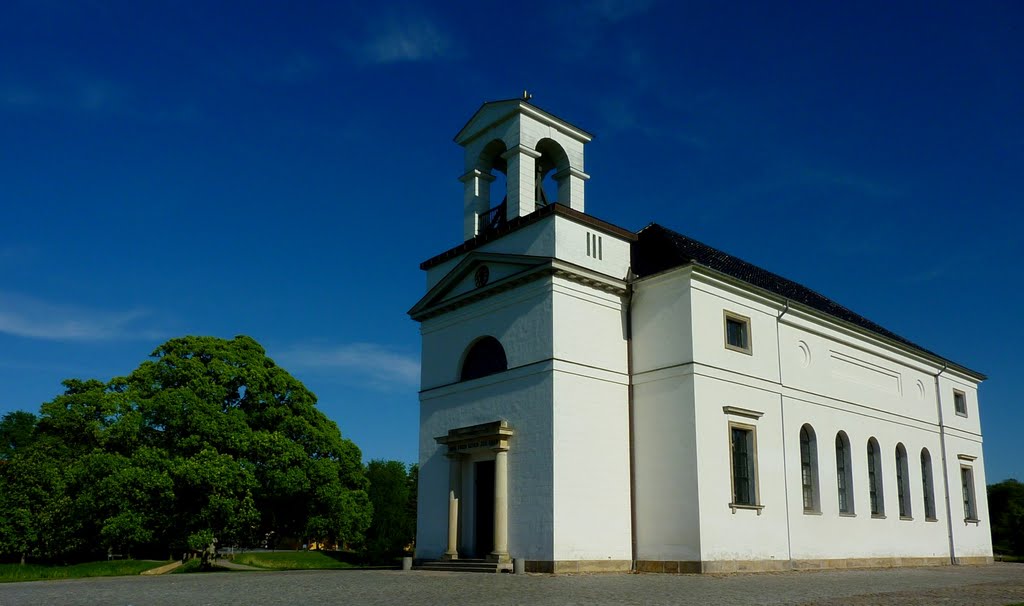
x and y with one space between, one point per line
594 246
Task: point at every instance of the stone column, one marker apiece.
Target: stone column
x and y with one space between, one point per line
570 187
500 553
520 181
476 200
454 493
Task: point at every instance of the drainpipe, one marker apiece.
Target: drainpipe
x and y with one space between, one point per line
782 413
945 470
630 413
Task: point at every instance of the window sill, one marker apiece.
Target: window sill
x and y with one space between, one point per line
962 414
812 512
878 516
931 519
847 514
974 521
735 506
908 518
741 350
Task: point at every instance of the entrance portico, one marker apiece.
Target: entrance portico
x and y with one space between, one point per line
464 444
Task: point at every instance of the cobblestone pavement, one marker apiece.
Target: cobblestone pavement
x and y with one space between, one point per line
996 585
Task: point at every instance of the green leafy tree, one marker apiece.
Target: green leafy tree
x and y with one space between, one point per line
1006 513
32 503
209 439
392 529
228 398
17 431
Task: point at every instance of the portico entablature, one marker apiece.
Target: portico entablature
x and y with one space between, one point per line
493 436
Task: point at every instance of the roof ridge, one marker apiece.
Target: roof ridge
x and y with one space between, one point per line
676 249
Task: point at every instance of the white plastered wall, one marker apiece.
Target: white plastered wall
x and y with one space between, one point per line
803 370
521 320
523 399
591 425
664 438
667 507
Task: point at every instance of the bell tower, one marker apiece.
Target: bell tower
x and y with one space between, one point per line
525 144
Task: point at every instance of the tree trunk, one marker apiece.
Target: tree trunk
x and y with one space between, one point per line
23 558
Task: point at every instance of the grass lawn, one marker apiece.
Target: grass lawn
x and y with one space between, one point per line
292 560
12 573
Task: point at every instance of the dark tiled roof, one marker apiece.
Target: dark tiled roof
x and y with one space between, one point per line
658 249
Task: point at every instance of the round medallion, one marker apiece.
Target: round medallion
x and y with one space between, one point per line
482 276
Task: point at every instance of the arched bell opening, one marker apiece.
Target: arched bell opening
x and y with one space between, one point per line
551 174
492 162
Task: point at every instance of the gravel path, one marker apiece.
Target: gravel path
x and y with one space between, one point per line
996 585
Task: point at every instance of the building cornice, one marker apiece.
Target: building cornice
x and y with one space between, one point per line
714 277
548 268
518 223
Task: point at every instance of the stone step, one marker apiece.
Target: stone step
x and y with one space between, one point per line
468 565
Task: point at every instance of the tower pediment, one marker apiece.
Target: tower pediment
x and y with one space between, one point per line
478 275
494 112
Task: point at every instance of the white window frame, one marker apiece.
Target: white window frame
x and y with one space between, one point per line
967 487
809 470
904 502
961 397
755 496
928 486
845 486
874 460
729 316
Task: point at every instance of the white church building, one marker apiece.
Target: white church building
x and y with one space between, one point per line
597 399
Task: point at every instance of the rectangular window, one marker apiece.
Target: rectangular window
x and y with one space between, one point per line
960 403
744 464
737 332
967 482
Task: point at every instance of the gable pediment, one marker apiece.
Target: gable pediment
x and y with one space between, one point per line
478 275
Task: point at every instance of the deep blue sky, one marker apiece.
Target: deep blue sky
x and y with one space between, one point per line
280 170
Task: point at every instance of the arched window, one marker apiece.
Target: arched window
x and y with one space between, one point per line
809 468
875 479
926 484
902 481
485 357
844 473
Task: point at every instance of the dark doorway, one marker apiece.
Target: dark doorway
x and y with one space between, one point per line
483 504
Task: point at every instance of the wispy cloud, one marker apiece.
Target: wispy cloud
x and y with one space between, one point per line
372 364
33 318
405 38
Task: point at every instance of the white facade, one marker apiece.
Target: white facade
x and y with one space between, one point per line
603 433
